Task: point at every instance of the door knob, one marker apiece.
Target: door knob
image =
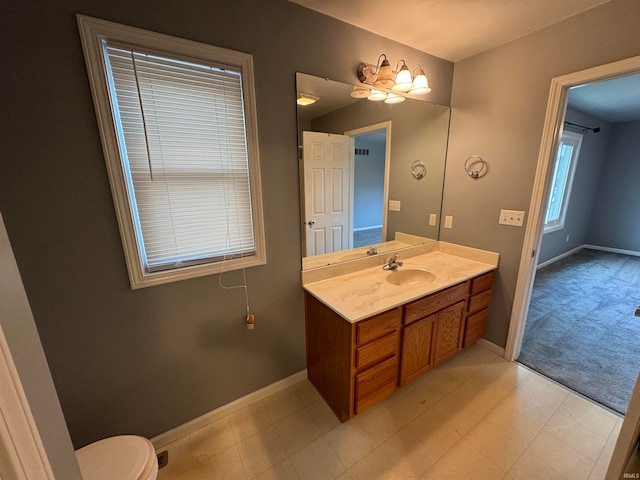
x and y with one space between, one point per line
311 223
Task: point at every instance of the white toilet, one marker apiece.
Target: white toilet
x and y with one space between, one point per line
124 457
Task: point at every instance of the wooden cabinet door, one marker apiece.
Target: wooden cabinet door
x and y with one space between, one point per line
417 356
449 332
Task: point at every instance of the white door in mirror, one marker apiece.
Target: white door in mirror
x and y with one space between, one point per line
327 171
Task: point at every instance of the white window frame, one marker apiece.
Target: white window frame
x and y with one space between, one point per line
558 224
92 33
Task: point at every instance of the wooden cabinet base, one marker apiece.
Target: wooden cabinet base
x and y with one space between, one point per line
356 365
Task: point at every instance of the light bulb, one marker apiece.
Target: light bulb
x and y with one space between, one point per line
420 84
377 96
403 80
393 98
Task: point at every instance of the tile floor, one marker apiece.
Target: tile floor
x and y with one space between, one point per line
476 416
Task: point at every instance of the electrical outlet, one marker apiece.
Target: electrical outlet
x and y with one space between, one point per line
394 205
433 219
448 221
514 218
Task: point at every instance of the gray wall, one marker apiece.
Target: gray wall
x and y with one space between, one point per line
148 360
615 222
499 103
28 357
583 193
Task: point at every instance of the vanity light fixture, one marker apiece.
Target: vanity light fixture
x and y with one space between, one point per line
382 77
393 98
377 95
420 83
306 99
360 92
404 80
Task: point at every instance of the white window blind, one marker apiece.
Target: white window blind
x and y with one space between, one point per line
182 140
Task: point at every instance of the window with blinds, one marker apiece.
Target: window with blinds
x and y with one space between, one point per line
184 133
562 181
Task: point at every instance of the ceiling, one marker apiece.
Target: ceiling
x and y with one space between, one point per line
458 29
451 29
615 100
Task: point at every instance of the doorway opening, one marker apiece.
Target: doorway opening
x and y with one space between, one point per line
552 247
370 183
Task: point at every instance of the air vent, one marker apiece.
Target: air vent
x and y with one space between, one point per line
163 459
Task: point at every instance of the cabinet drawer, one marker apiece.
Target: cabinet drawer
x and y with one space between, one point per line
432 303
479 301
482 283
475 328
375 384
377 350
378 326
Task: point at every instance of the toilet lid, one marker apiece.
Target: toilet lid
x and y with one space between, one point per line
124 457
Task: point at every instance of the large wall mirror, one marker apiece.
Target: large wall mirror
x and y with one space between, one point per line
372 172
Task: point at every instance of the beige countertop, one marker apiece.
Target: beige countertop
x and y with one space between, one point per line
362 293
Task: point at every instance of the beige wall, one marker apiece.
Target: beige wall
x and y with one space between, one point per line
499 103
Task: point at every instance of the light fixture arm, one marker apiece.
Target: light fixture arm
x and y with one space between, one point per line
380 63
399 67
368 73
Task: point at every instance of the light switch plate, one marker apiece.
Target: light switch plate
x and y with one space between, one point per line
514 218
432 219
394 205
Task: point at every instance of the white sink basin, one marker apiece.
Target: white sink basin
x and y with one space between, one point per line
409 277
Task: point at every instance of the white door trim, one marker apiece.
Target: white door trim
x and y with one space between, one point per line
556 108
25 454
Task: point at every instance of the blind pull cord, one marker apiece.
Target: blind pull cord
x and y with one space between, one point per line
144 120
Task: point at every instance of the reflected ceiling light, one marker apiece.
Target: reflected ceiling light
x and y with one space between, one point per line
383 77
377 96
306 99
393 98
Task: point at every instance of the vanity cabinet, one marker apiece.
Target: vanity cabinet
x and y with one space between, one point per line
433 330
478 308
352 365
356 365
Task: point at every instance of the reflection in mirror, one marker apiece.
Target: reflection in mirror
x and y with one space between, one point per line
357 185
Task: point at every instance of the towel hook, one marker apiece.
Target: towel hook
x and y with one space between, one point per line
418 169
475 166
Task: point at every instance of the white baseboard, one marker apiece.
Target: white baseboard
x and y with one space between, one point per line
561 256
613 250
221 412
590 247
492 347
370 227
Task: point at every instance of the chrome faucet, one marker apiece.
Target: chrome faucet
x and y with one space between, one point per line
393 262
372 251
